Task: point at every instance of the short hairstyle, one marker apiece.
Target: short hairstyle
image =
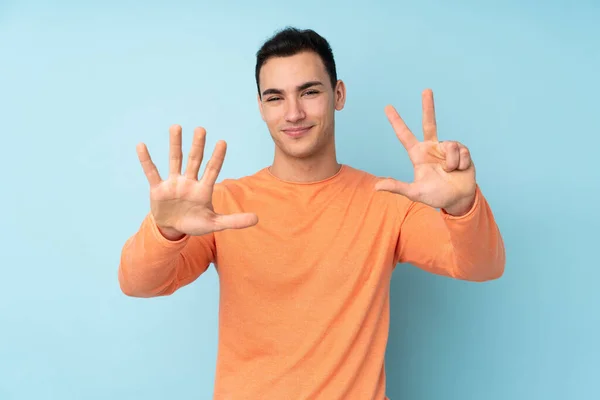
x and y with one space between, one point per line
290 41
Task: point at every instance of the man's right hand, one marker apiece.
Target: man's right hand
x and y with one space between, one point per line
182 205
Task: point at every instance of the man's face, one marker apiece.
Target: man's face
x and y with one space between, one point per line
298 104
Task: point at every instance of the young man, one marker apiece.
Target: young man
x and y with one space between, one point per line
306 247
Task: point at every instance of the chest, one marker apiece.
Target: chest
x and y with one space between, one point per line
317 244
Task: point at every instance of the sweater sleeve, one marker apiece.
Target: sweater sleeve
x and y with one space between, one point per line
468 247
151 265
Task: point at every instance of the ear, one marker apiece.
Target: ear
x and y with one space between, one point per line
260 107
340 95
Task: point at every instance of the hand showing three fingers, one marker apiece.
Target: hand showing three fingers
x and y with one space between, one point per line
182 204
444 174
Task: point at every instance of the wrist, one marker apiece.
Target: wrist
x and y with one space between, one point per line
461 207
170 234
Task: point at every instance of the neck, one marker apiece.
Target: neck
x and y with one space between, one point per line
310 169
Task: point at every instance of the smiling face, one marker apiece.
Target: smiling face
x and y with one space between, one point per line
298 105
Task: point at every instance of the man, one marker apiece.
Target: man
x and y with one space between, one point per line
306 247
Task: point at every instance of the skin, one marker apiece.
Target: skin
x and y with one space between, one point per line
444 173
296 93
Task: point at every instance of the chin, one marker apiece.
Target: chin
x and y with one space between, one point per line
300 152
297 149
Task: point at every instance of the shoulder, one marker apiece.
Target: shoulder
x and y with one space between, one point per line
237 188
368 180
362 175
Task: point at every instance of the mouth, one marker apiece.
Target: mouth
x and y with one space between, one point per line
296 132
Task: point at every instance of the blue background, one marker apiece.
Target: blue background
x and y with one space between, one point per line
82 84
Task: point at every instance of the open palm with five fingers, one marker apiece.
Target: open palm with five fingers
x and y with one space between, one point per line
444 174
182 204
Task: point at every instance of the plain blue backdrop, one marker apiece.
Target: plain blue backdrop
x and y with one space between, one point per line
82 83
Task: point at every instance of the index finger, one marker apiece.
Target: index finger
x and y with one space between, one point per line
429 124
404 134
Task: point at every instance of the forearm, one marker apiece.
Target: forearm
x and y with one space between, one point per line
153 265
478 252
467 246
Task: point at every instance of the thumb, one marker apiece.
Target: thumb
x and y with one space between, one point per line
235 221
395 186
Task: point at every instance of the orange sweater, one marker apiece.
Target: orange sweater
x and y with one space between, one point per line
304 294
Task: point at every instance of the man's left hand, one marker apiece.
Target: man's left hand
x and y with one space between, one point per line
444 174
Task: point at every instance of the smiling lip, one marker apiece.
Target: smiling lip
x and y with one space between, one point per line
296 132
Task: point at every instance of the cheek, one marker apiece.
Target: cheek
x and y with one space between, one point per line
319 109
271 116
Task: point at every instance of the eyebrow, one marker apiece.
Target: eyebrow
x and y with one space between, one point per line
304 86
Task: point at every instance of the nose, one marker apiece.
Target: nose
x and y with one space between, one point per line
294 111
